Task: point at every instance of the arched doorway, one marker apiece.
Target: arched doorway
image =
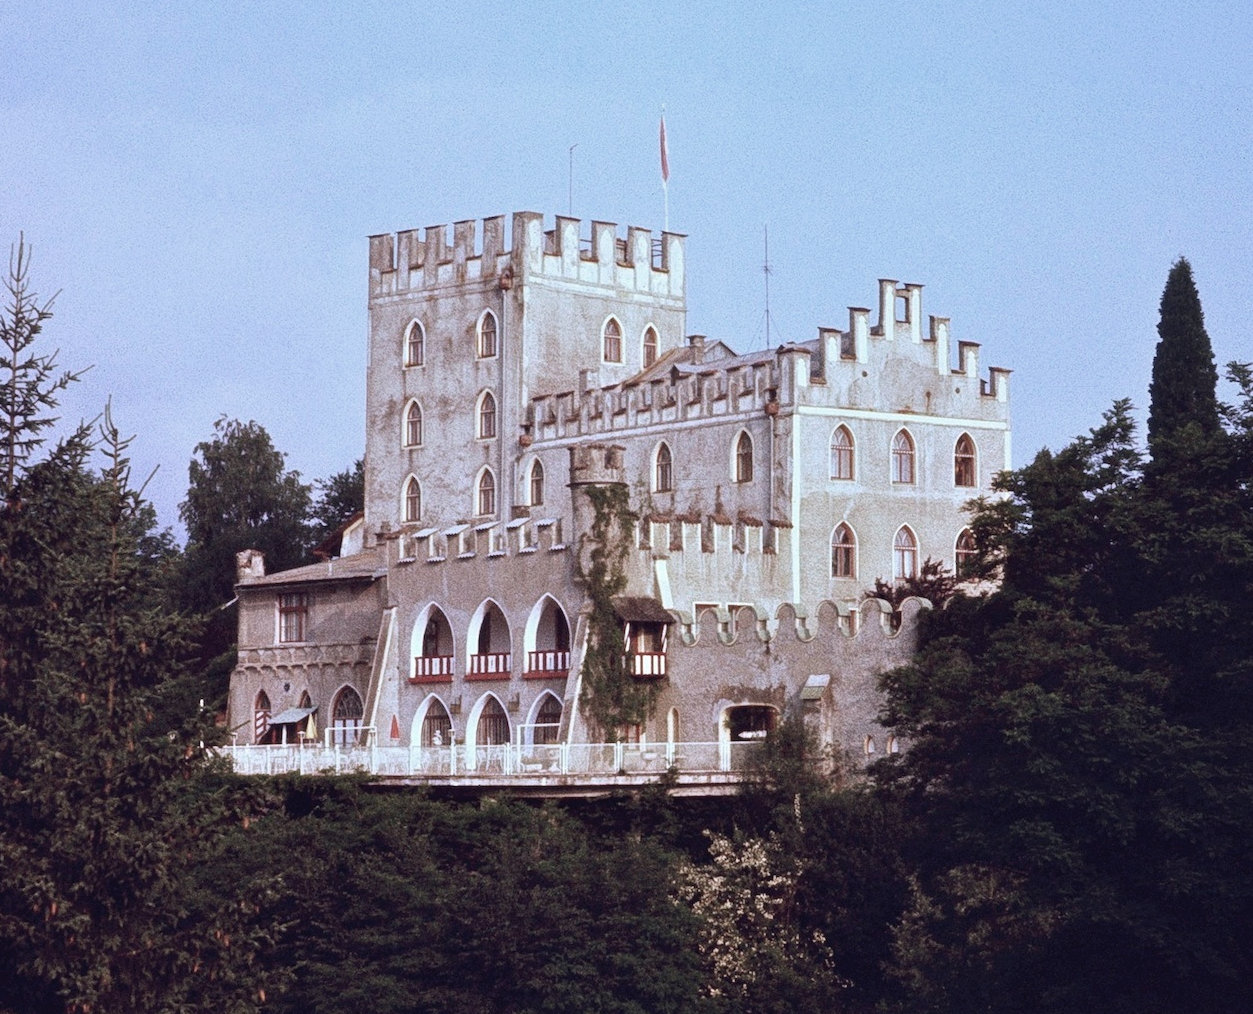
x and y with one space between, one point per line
346 718
547 641
490 656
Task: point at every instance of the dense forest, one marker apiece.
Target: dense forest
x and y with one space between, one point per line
1067 831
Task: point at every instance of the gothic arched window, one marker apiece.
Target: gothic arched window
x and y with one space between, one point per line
904 554
415 342
903 457
744 459
413 425
964 462
486 493
487 416
611 335
843 552
663 470
487 344
841 453
413 499
650 346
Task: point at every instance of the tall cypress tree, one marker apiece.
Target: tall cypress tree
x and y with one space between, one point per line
1182 394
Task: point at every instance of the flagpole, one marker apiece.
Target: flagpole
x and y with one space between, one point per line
665 171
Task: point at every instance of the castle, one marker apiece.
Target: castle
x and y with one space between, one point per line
513 382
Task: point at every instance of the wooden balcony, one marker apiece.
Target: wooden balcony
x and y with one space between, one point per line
547 664
491 666
432 669
647 665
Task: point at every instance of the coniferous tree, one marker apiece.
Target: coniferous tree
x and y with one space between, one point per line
1183 390
1079 776
99 830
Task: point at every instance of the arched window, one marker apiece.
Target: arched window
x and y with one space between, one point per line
869 746
436 726
487 335
904 555
413 425
486 493
650 346
611 335
493 727
346 717
547 720
260 716
487 416
841 453
537 483
663 470
903 457
744 459
843 552
415 342
413 499
965 552
964 465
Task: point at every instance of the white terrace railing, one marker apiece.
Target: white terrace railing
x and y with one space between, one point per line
584 761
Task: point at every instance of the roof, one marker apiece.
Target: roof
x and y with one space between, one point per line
640 609
292 715
364 566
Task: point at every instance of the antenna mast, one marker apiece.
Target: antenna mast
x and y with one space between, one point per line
570 190
765 270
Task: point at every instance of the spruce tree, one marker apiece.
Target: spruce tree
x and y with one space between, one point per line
106 812
1182 394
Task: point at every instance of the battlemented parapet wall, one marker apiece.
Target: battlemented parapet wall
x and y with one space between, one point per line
545 297
424 259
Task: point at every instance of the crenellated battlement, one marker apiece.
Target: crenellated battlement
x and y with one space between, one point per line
593 252
686 392
830 622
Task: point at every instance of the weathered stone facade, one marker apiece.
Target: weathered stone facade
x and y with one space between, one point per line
770 490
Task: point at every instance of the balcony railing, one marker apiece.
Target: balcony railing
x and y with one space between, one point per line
432 669
648 664
491 666
546 664
505 761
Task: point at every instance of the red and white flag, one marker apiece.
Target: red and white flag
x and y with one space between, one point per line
665 154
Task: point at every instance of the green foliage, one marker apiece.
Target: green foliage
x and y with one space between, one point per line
398 903
933 582
1078 784
339 498
1182 392
101 820
610 695
30 381
240 496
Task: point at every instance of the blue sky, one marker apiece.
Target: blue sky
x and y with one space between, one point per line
199 181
